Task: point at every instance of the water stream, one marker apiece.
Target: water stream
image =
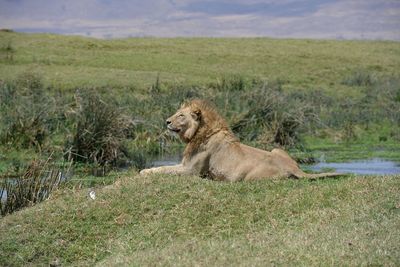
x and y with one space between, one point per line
374 166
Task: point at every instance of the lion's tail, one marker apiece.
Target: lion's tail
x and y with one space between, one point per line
318 175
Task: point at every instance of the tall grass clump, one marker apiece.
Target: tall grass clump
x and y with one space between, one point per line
382 101
7 52
360 78
232 83
25 112
99 130
377 104
274 118
36 183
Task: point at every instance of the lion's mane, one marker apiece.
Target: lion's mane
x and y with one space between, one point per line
210 123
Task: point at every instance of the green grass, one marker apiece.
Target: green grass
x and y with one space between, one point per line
352 74
170 220
366 146
70 62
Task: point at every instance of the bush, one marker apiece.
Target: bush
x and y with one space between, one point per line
360 78
381 101
273 117
7 52
36 183
377 104
99 130
25 112
231 83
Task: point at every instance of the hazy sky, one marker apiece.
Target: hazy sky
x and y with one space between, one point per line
348 19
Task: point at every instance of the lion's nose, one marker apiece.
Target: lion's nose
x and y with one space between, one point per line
168 122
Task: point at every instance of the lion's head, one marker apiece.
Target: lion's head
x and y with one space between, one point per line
196 118
185 122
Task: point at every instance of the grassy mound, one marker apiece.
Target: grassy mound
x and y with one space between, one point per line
170 220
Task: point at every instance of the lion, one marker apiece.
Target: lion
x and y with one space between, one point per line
213 151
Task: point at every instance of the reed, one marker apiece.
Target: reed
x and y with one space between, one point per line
99 130
35 184
274 117
26 112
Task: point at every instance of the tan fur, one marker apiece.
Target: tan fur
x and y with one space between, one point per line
213 151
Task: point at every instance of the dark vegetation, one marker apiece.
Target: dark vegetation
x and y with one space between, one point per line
274 118
99 130
7 51
26 112
94 125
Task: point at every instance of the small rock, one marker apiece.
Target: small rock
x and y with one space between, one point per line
92 194
55 263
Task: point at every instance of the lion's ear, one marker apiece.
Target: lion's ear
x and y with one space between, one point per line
196 114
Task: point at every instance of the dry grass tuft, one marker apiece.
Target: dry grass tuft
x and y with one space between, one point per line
36 183
274 118
99 130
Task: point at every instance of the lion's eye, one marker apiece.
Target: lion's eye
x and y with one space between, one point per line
180 115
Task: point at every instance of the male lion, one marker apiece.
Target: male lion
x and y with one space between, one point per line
213 151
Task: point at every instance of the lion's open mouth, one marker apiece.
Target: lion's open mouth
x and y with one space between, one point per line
172 129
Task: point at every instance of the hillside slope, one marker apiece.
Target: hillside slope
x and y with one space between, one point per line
169 220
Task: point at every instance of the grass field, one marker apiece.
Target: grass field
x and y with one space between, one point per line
169 220
70 62
341 98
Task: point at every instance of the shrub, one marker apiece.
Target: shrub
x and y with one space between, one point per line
25 112
6 30
7 51
360 78
231 83
376 104
99 130
381 101
36 183
273 118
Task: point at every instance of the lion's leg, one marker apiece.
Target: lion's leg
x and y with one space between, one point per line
176 169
